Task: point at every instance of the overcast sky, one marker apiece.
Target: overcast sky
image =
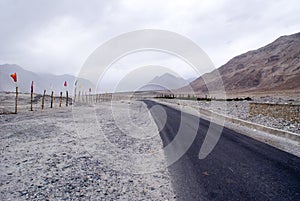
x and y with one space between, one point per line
57 36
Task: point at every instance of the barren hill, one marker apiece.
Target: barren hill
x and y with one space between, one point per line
272 68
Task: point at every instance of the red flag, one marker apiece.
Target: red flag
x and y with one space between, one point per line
32 87
65 84
14 77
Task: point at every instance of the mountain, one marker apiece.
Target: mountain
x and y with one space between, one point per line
271 69
165 81
41 81
191 79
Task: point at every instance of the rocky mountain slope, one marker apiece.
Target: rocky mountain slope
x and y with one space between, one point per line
272 68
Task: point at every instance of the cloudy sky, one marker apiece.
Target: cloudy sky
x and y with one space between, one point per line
57 36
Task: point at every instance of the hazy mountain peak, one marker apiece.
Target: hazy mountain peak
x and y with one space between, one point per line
168 81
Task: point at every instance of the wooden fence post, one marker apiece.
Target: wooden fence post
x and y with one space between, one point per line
60 99
67 95
74 96
51 100
31 100
43 99
16 103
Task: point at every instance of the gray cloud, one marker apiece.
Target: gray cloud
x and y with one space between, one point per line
57 36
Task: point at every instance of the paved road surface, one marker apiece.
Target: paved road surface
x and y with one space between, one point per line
238 168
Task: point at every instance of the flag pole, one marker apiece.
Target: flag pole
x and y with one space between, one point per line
31 96
60 99
43 99
67 94
16 105
51 104
14 77
51 97
67 101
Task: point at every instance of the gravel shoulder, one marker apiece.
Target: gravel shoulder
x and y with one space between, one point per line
66 153
188 106
240 110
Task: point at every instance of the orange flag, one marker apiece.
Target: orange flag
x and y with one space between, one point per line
14 77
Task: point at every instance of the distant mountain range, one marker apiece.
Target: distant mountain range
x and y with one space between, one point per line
41 81
56 82
166 81
271 69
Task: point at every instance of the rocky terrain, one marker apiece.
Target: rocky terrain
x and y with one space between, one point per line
110 151
84 153
272 69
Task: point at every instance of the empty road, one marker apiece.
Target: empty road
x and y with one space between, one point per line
238 168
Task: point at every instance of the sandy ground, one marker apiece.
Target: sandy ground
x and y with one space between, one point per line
83 152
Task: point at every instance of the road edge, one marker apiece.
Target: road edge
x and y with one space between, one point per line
283 140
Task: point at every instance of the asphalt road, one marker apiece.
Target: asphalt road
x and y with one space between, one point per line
238 168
